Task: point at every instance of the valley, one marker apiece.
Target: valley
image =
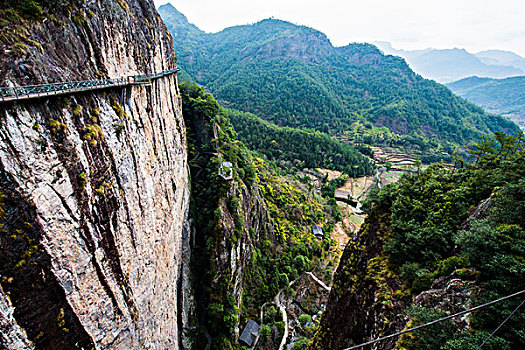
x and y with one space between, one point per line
162 187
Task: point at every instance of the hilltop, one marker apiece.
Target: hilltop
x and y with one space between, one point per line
293 76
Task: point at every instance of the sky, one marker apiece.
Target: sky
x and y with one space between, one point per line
474 25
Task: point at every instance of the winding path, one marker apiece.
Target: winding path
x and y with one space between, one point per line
277 301
321 283
285 317
280 305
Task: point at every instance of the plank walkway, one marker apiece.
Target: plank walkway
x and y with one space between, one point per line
16 93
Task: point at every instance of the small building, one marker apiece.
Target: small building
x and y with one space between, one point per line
250 333
317 231
226 171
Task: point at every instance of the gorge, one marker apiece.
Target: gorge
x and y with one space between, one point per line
144 214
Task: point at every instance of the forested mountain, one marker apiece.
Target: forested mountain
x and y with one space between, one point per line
254 230
436 243
502 96
311 149
293 76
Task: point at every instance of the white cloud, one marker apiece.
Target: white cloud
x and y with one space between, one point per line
471 24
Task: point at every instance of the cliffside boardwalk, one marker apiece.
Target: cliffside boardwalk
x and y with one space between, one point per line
16 93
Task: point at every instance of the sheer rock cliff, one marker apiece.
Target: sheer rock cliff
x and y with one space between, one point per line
94 185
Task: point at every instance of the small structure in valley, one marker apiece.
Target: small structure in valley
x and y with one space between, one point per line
317 231
250 333
226 171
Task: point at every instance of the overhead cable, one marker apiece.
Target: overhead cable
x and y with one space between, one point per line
437 321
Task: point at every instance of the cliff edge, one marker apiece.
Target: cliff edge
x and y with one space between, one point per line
93 186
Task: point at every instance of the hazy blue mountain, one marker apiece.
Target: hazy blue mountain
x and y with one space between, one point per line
293 76
453 64
501 96
500 57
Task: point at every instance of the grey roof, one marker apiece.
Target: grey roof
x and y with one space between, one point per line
317 230
249 333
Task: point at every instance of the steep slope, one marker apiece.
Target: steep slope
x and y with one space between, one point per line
189 40
504 96
293 76
94 186
252 229
434 244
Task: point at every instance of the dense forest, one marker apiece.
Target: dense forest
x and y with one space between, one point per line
305 148
292 76
502 96
444 225
225 213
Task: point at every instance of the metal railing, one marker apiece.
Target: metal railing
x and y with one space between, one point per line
36 91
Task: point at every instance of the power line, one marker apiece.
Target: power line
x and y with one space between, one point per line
502 323
436 321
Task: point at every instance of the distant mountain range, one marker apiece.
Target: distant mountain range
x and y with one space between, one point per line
292 76
449 65
501 96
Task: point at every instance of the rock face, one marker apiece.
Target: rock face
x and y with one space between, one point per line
94 186
363 303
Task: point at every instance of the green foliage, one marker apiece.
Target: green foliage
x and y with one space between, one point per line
451 264
31 9
77 110
265 331
37 9
354 90
328 189
422 282
82 181
468 220
304 319
301 263
301 344
56 126
432 337
92 133
271 315
468 341
310 149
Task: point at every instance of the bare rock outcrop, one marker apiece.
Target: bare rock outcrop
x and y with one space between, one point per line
94 186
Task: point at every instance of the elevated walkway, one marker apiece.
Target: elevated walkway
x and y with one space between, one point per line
38 91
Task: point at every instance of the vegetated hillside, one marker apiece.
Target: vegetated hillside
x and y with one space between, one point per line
305 148
293 76
502 96
253 231
446 65
436 243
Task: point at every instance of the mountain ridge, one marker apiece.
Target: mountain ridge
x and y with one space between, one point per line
298 79
502 96
447 65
